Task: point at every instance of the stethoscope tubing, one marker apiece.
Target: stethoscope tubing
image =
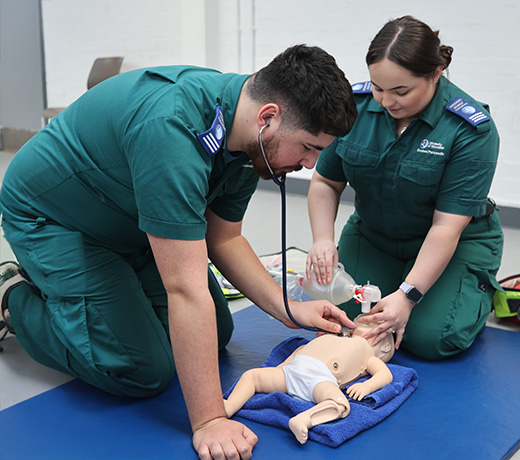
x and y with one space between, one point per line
280 181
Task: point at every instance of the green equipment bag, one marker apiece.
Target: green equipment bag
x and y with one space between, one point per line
226 287
507 302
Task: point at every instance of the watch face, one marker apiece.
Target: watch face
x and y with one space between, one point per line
414 295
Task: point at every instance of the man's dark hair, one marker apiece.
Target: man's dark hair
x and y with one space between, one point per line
311 90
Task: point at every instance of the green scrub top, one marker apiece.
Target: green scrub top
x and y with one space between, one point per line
125 160
441 162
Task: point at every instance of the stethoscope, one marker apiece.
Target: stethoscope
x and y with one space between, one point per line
280 181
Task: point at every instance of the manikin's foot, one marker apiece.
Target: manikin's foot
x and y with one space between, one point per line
299 426
324 412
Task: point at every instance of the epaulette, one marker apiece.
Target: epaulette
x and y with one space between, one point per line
212 139
364 87
467 111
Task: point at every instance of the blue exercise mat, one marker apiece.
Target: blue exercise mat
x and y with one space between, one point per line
464 408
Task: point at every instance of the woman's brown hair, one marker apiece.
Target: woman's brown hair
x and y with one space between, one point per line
412 44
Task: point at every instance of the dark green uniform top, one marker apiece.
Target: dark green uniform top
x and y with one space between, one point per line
126 159
441 162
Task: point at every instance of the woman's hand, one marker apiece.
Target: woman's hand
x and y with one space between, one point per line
391 313
322 256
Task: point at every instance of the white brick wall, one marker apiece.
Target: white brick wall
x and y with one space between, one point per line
243 35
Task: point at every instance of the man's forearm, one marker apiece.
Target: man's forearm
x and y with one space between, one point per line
194 341
242 267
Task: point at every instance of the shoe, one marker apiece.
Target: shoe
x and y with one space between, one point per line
10 277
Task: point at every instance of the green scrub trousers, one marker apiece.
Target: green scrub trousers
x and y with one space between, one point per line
99 316
454 311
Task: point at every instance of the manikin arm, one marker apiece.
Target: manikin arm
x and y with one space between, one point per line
381 376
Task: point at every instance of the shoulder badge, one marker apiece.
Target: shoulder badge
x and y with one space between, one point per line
212 139
467 111
362 88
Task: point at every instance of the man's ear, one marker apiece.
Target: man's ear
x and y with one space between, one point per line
269 114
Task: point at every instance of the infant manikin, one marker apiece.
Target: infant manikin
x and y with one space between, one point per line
317 372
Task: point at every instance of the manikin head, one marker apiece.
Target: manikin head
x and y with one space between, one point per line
347 356
384 349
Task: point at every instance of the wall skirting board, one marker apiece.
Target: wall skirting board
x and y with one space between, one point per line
509 216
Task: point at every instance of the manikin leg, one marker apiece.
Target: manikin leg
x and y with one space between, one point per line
331 405
258 380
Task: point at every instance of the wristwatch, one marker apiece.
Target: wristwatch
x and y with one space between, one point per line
413 294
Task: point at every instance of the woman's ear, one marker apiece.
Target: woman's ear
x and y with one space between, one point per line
437 75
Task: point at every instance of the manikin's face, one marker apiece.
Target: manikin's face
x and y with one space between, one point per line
286 151
400 92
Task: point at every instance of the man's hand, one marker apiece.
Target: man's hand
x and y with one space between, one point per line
320 314
223 439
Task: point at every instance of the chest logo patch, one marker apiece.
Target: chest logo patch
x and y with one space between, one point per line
212 139
431 148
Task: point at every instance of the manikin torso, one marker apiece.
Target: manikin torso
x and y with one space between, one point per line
349 358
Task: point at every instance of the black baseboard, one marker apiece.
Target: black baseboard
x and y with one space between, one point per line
509 216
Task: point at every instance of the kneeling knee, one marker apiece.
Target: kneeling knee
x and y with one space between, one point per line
144 381
154 380
430 347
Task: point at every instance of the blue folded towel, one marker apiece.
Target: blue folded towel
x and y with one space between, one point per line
276 409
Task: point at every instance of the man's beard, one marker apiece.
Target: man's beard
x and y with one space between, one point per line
270 147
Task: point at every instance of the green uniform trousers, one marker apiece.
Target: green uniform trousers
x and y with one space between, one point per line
93 313
454 311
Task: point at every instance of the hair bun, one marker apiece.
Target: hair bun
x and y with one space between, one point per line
446 53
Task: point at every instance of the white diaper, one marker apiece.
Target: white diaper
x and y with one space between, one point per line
303 373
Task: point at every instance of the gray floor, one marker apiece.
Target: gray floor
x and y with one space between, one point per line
22 378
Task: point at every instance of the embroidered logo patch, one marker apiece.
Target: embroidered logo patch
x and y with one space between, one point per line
362 88
467 111
431 147
212 139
